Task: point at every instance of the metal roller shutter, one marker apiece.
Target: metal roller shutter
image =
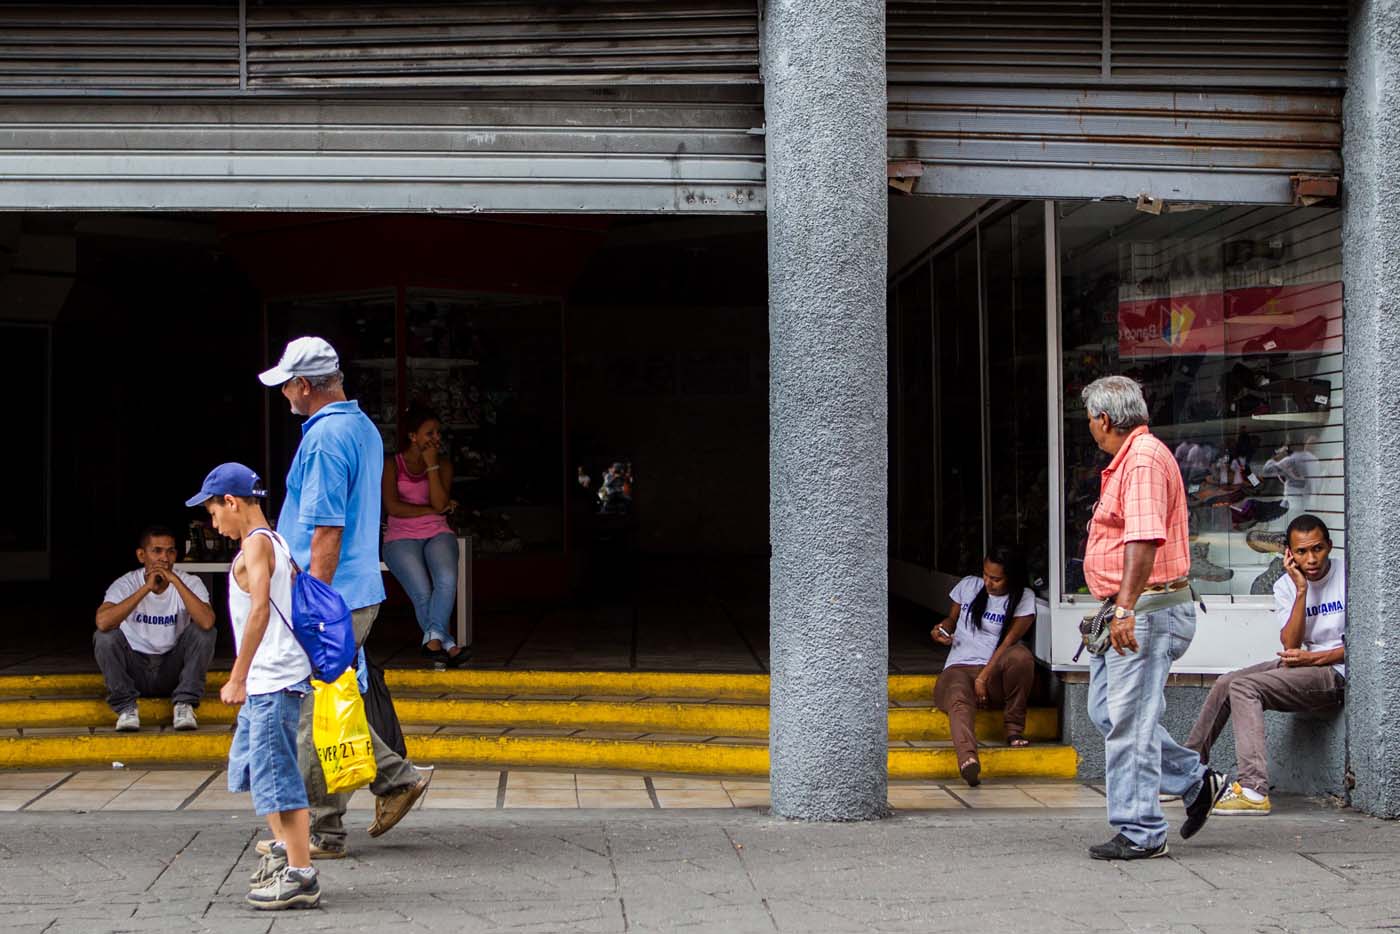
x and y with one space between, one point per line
600 106
1183 100
119 46
521 149
358 44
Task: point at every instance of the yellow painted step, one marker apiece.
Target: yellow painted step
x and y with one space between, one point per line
916 723
211 748
701 685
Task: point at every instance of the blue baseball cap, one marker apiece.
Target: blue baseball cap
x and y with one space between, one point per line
228 480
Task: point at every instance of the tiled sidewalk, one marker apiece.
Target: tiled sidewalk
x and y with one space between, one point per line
205 790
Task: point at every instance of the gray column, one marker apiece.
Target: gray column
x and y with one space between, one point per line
1371 263
824 73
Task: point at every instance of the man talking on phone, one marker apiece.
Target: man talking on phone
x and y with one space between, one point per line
1309 673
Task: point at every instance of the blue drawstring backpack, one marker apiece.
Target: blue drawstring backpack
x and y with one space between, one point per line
320 622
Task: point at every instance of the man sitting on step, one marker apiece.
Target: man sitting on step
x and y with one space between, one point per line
155 635
1308 675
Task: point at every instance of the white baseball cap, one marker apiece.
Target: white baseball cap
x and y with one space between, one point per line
305 356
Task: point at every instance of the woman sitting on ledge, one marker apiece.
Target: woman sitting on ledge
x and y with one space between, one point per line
988 665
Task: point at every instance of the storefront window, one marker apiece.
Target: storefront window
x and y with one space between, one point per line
968 399
1231 318
1018 500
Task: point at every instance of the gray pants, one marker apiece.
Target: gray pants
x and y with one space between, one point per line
178 674
392 771
1243 696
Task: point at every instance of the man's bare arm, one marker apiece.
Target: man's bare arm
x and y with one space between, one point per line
325 551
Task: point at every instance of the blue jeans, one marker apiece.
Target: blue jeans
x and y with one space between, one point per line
427 569
1126 696
263 756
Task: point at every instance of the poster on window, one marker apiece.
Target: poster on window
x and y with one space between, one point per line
1257 320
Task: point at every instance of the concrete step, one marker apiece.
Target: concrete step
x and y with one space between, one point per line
639 716
209 746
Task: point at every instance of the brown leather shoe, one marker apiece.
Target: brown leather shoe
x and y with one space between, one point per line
391 808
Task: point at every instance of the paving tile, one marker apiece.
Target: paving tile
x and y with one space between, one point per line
1067 795
614 798
20 781
996 798
12 799
541 797
744 784
217 797
115 779
677 782
595 782
473 799
172 780
745 798
528 781
64 799
924 797
466 779
715 797
133 800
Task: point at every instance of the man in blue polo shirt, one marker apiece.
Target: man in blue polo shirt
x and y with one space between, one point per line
330 520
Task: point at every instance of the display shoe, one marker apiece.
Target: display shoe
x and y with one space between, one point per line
1305 336
1202 568
1266 542
1264 584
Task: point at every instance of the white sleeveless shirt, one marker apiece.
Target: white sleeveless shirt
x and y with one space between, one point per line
279 662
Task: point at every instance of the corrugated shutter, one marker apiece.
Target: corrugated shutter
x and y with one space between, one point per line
522 149
85 46
1207 43
1191 100
357 44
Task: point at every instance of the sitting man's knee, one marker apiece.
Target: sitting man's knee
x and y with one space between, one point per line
109 641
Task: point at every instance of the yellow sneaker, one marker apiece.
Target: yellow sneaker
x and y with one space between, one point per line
1234 804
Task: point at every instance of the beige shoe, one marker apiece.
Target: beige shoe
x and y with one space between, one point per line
391 808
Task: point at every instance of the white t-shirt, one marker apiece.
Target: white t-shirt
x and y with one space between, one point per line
159 618
280 661
1325 622
973 646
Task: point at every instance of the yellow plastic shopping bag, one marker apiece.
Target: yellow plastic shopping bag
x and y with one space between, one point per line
341 734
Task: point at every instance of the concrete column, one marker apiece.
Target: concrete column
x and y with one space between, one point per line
824 73
1371 263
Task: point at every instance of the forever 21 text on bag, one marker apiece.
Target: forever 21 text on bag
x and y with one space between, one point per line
341 734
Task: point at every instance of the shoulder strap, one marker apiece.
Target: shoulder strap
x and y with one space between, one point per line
277 540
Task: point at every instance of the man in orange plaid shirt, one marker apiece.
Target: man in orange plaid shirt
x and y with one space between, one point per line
1139 556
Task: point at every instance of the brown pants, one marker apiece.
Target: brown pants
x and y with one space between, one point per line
1009 687
1244 695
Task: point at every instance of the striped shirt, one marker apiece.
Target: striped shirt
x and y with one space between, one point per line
1142 499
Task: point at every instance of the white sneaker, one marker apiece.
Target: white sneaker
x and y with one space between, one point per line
184 718
128 721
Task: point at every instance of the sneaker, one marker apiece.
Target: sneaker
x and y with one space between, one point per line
1213 786
290 888
128 721
391 808
1264 584
1202 568
184 718
1120 847
1234 804
1266 542
269 866
320 848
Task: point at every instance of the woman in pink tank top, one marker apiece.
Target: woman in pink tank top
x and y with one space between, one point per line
420 547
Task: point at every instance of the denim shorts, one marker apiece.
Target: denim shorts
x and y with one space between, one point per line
263 757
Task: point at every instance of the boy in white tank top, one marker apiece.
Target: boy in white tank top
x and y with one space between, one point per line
269 678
